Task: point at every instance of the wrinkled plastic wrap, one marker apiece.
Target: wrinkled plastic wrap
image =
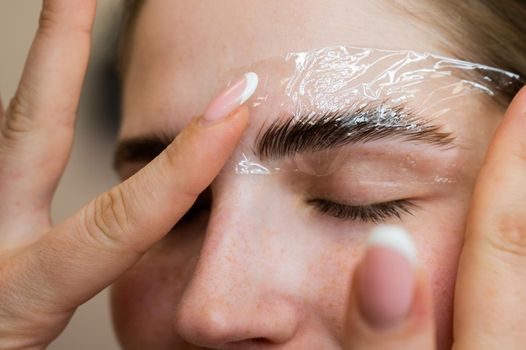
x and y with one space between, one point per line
360 95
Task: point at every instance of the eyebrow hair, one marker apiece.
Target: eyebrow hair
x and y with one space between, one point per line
313 132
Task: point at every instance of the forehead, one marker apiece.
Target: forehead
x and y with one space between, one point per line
183 49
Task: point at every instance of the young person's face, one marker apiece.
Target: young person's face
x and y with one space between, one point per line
256 264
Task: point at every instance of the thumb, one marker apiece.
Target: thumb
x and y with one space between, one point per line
390 303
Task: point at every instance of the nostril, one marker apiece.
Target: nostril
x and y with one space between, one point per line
259 341
255 342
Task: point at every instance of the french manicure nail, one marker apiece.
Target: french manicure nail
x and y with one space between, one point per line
386 277
234 96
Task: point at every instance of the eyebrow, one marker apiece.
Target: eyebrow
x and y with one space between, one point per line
312 132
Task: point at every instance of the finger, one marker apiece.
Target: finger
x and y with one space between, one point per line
490 301
390 304
89 251
37 130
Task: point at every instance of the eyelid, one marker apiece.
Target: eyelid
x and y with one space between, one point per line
393 166
375 213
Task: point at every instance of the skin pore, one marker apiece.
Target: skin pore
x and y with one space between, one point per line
255 263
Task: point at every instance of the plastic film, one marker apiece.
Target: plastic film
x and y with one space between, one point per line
313 106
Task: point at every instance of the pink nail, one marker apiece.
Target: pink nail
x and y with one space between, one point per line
386 279
233 97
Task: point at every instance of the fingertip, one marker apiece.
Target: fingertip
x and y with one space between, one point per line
230 99
390 291
517 109
385 288
520 97
395 238
402 312
239 116
509 142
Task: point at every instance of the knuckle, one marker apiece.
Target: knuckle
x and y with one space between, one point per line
510 233
54 20
48 21
17 121
107 221
521 153
172 154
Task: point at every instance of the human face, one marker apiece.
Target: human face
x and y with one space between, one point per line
256 265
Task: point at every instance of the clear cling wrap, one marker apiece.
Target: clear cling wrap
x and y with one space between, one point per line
310 106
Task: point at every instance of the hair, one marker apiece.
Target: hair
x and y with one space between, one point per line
490 32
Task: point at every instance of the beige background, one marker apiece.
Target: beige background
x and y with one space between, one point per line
89 171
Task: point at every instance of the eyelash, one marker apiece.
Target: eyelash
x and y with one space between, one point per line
375 213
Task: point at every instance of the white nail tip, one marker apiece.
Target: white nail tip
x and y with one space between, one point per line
396 238
252 82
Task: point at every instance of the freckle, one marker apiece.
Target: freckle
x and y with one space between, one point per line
491 292
270 232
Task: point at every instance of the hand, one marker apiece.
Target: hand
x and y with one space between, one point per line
47 271
490 294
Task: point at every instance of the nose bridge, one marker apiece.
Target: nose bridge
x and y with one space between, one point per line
230 253
230 298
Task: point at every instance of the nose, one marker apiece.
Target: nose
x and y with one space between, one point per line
234 297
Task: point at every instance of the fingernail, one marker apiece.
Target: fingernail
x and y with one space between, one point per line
233 97
386 277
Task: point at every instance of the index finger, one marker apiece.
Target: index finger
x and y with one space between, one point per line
89 251
490 300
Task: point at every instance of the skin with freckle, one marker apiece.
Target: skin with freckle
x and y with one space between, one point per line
258 266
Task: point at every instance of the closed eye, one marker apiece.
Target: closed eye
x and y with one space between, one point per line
374 213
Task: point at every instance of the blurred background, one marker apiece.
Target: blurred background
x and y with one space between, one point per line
89 171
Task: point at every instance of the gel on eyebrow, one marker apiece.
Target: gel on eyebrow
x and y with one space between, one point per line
320 81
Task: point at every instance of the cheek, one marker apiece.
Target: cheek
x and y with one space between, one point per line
330 272
142 303
143 299
438 243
